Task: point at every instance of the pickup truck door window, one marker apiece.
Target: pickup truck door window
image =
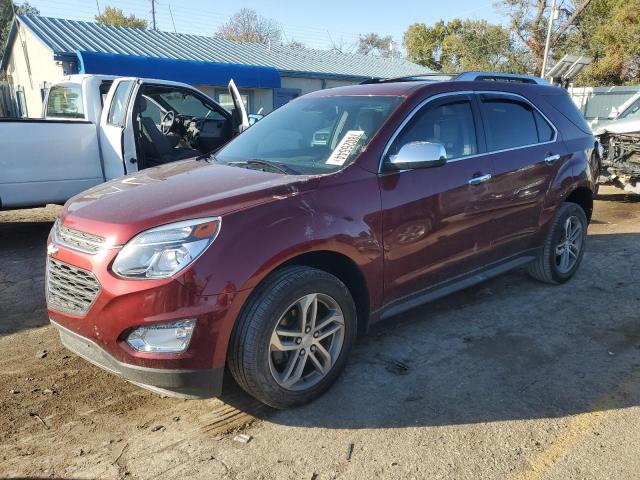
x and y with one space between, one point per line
522 143
435 223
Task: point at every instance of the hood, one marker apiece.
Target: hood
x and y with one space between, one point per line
627 125
121 208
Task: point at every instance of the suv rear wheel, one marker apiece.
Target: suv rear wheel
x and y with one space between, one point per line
293 337
563 248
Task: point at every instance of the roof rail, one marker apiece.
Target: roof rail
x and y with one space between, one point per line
424 77
500 77
462 77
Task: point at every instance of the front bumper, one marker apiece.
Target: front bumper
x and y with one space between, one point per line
183 383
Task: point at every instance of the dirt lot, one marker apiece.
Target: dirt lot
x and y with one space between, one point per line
510 379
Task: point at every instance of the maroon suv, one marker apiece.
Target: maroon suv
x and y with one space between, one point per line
342 208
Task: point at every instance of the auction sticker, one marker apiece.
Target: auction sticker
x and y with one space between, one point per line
345 147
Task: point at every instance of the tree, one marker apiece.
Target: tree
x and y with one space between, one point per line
116 17
529 22
465 45
293 43
6 18
374 44
609 32
247 26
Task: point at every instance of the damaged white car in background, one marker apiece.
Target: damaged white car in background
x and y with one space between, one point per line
620 140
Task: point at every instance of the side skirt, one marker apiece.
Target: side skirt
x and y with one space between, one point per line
450 286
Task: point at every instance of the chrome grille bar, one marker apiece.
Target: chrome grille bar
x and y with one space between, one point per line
77 240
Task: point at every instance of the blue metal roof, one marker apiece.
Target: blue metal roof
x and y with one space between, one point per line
66 37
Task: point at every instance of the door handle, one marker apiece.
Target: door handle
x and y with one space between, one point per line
479 179
549 159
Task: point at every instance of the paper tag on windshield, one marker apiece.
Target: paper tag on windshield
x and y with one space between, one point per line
345 147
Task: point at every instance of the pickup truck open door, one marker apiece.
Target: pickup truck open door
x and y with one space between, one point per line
117 140
240 117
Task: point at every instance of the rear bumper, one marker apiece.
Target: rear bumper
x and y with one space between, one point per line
189 383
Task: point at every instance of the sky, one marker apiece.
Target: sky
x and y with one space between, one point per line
317 24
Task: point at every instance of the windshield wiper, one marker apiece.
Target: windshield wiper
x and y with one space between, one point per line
255 162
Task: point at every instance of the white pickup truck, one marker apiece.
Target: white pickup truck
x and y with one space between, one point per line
96 128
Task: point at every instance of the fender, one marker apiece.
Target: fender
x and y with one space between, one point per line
256 241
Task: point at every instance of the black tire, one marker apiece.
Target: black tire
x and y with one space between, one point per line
545 267
248 357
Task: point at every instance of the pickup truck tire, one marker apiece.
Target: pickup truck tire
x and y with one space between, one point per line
549 266
299 323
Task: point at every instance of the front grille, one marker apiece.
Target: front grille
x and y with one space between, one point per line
70 289
77 240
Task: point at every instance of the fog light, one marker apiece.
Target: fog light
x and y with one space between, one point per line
171 337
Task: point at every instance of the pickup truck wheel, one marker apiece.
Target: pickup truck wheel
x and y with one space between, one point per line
563 248
293 337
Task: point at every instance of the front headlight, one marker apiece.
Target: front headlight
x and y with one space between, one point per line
164 251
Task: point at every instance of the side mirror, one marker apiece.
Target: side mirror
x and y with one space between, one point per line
613 113
419 155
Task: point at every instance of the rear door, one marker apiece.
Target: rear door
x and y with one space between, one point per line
526 152
435 220
117 139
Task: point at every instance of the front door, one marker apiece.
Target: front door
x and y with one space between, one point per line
436 221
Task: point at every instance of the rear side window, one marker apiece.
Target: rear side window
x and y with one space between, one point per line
65 101
545 131
566 107
118 108
450 124
508 124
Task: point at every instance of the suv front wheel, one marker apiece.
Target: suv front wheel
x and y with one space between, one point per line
563 248
293 337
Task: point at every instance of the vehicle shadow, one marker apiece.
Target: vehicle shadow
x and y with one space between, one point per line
510 348
22 273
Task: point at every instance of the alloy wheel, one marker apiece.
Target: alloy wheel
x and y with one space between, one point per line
568 249
306 342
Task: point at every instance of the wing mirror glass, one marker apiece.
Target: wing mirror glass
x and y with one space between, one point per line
419 155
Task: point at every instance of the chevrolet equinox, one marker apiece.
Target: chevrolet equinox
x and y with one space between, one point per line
341 208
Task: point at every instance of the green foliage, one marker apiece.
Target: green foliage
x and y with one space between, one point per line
6 18
116 17
464 45
608 31
374 44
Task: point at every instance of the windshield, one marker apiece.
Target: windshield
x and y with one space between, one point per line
312 135
632 111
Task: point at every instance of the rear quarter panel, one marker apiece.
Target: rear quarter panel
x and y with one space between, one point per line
578 170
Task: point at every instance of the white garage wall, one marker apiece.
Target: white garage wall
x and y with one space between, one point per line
43 69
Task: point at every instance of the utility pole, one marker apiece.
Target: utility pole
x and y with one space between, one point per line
153 13
552 16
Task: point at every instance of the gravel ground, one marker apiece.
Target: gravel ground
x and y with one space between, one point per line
509 379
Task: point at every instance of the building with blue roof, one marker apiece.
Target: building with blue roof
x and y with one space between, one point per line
41 50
